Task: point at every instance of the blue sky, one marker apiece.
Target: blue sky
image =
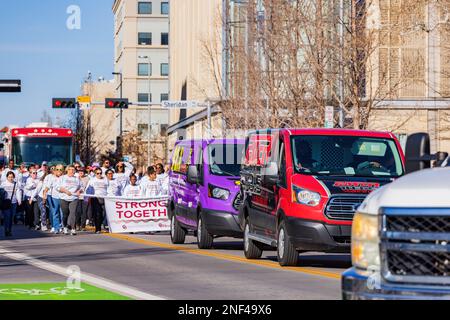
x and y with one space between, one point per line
51 60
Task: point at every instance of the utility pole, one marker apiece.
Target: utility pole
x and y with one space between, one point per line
341 64
149 150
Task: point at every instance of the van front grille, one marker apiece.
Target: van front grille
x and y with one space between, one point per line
342 207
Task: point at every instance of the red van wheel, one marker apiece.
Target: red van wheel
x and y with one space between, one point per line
177 234
287 254
204 238
251 249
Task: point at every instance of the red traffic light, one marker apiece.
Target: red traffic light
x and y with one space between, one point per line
64 103
116 103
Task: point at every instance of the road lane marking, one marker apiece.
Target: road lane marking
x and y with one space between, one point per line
85 277
224 256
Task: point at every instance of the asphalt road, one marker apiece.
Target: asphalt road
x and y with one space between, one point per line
152 265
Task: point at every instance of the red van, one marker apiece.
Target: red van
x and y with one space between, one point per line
301 187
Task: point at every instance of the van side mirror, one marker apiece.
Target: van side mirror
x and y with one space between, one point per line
417 152
270 173
192 176
2 145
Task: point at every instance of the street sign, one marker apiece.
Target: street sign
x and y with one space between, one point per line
329 117
10 86
182 104
84 99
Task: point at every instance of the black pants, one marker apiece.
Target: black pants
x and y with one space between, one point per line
69 209
32 214
82 213
98 212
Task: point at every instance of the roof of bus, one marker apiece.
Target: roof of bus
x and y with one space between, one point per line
332 132
42 132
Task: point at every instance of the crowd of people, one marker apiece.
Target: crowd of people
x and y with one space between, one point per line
67 199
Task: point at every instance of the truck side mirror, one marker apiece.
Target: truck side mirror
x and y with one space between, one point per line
2 145
417 152
192 176
270 173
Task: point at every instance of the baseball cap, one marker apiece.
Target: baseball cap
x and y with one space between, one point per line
44 163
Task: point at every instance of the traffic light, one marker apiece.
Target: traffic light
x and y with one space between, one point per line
116 103
64 103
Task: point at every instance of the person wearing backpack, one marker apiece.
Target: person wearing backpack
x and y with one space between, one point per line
12 198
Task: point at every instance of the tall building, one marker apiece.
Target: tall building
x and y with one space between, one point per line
141 39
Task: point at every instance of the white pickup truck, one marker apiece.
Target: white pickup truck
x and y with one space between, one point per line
401 235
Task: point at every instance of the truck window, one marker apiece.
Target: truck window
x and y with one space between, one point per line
282 166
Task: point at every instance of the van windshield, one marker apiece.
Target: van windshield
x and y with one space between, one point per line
225 159
346 156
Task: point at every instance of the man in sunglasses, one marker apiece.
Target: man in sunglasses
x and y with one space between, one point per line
98 186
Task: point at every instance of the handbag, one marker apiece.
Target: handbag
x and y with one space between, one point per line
7 203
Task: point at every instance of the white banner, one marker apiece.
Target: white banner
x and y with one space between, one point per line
137 215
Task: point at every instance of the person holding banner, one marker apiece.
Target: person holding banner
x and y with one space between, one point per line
98 186
152 186
123 172
70 188
132 190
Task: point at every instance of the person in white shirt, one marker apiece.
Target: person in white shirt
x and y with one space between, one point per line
123 173
132 190
43 170
163 177
98 186
83 202
70 188
31 207
106 166
151 187
10 169
113 186
39 195
13 195
51 194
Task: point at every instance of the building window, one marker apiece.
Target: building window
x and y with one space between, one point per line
145 38
164 69
144 8
164 97
164 39
143 97
143 69
164 8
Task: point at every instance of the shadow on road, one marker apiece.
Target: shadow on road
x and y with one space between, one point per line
340 261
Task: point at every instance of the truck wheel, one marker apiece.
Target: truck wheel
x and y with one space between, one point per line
287 254
204 239
177 234
252 250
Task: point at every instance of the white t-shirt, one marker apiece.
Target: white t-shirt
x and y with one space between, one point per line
9 188
132 191
113 188
151 188
72 184
97 187
30 187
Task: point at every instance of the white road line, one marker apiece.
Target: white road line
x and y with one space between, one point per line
85 277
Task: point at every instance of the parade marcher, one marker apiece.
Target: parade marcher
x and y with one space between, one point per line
132 190
106 166
11 197
122 176
39 195
32 216
70 188
52 194
43 170
98 186
46 195
113 186
164 180
83 202
10 168
151 187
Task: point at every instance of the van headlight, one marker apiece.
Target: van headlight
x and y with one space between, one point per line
365 241
306 197
218 193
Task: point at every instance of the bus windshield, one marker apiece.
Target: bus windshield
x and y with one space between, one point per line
346 156
36 150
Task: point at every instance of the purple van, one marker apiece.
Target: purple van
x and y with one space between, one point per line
204 190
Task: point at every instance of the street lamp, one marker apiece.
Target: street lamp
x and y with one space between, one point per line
121 110
149 109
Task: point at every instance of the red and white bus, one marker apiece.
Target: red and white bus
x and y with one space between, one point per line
33 145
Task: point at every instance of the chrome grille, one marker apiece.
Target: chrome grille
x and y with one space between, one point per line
343 207
415 245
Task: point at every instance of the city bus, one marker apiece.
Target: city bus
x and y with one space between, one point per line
34 145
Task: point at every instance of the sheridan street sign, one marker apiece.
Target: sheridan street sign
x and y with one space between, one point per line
181 104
